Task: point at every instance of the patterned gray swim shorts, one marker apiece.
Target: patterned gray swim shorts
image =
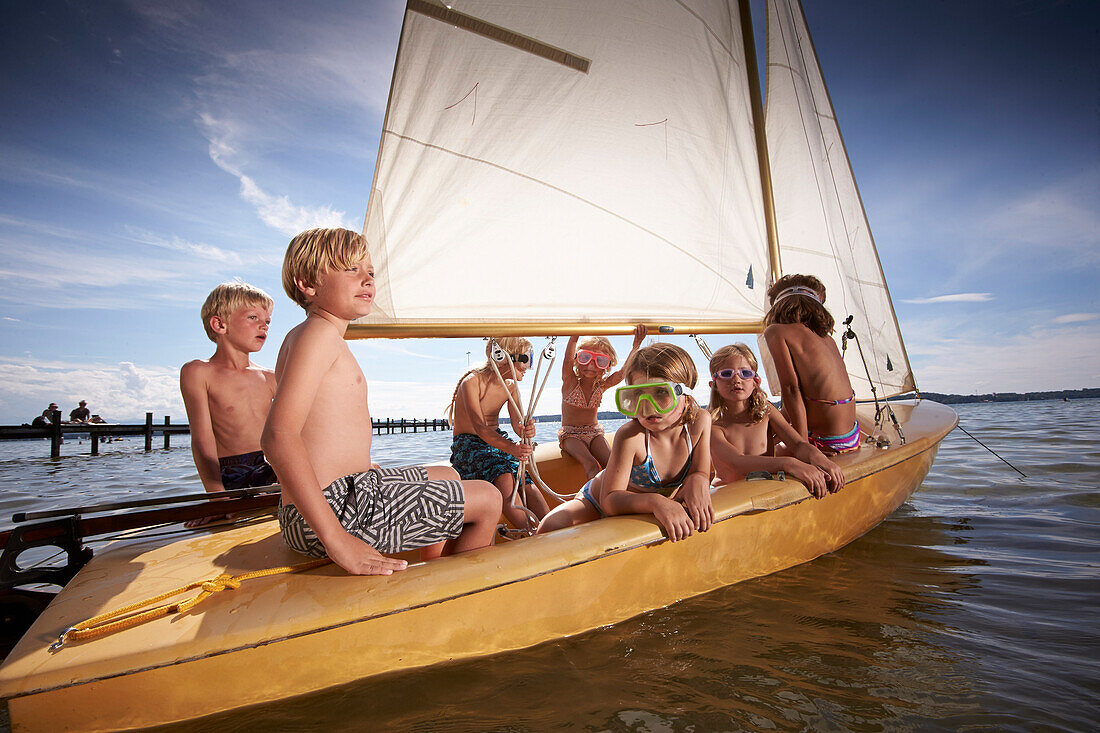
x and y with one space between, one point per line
391 509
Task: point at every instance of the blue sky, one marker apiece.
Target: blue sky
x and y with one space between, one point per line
149 151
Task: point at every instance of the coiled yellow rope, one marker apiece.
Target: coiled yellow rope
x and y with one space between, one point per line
130 616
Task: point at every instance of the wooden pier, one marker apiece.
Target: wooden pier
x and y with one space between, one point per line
97 432
405 425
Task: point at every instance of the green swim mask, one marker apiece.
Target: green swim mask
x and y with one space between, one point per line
661 396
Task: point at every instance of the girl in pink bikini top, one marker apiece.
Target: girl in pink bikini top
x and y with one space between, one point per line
586 374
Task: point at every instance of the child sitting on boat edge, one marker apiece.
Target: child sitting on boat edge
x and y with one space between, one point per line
335 501
807 362
585 370
669 436
480 449
227 396
744 420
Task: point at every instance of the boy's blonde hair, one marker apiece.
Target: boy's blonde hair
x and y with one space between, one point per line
510 344
600 344
666 362
315 251
227 298
758 401
800 308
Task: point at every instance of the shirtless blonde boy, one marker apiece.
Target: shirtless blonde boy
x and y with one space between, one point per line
480 449
318 434
227 396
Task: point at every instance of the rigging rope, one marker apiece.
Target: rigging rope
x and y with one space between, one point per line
498 354
132 615
707 353
960 427
851 334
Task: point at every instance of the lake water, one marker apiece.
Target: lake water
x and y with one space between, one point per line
974 607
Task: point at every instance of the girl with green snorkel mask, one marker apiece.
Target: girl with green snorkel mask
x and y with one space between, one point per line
660 460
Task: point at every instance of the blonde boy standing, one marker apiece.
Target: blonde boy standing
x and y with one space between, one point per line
318 434
227 397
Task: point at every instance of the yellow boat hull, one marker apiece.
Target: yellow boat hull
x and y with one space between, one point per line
289 635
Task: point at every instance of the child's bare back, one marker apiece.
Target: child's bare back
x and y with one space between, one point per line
822 378
484 394
818 399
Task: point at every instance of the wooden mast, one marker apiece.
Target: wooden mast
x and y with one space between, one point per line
761 141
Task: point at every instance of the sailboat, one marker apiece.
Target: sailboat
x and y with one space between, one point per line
548 168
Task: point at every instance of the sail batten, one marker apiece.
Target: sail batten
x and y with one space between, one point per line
503 35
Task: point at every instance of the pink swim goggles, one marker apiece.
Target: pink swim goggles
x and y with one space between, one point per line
583 356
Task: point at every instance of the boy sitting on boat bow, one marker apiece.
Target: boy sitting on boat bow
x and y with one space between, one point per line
318 434
227 396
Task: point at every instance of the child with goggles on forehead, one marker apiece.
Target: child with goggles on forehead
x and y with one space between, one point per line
482 450
584 379
744 420
818 398
660 460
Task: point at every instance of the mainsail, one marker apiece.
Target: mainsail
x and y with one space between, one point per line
821 223
567 163
578 166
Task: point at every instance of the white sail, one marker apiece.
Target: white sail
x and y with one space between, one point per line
821 224
568 162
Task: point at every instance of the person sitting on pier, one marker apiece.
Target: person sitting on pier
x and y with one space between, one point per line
480 449
81 413
227 397
318 435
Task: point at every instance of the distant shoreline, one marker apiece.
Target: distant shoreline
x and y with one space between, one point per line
945 399
954 399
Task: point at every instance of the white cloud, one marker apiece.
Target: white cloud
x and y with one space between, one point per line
380 346
191 249
120 393
1063 216
1077 318
409 399
280 214
970 358
40 274
956 298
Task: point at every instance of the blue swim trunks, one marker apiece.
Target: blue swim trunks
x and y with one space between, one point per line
246 470
473 458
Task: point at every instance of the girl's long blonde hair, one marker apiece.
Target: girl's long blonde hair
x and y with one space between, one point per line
510 344
667 362
758 401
